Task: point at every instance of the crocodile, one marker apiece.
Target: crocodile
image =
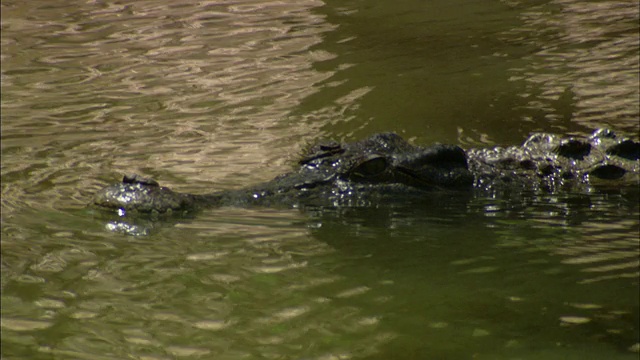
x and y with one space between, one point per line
385 167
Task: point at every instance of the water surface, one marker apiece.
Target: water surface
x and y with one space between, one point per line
225 94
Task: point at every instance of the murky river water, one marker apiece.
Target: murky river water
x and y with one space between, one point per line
224 94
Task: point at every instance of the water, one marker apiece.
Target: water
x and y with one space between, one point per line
221 95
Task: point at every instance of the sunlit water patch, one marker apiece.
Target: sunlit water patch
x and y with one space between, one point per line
585 65
99 89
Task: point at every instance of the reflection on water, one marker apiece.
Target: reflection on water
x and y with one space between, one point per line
522 278
222 95
585 68
428 280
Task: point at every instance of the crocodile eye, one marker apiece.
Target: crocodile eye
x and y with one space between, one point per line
370 166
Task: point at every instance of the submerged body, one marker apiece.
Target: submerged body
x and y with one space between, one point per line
385 166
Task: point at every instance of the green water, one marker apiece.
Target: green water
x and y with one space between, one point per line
221 95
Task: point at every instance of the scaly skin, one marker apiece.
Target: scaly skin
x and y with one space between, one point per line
384 167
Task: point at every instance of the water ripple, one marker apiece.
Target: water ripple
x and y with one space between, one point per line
585 66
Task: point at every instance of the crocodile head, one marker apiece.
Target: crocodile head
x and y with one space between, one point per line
381 165
388 160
